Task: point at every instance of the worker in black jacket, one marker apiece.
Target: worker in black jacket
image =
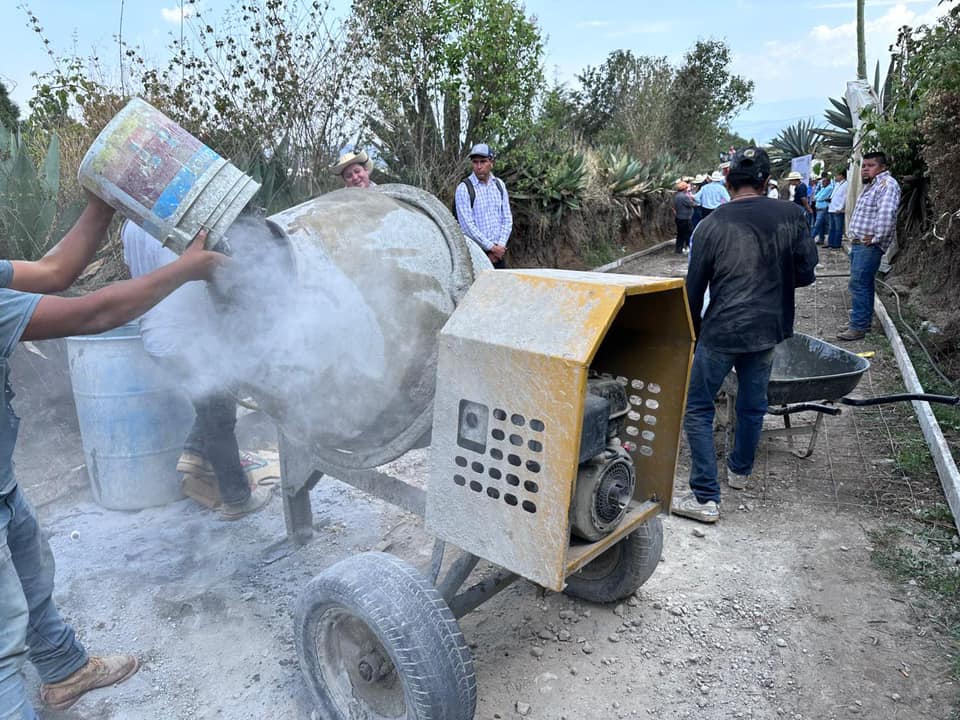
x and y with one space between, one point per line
752 253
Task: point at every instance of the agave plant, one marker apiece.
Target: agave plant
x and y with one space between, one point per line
28 197
838 139
631 181
556 187
794 141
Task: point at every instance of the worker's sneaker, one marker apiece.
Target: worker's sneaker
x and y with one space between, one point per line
851 334
735 481
259 497
97 673
689 507
194 464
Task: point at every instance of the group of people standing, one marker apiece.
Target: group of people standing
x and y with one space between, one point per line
750 255
694 200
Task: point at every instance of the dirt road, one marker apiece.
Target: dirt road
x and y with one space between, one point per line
777 612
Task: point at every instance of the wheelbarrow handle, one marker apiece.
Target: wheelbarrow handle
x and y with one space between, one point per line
802 407
902 397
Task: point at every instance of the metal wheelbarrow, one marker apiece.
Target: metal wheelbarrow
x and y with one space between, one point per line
810 374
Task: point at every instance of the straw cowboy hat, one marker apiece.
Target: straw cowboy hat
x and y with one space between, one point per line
794 176
699 179
352 158
716 176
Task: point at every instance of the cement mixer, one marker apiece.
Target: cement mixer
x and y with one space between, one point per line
366 325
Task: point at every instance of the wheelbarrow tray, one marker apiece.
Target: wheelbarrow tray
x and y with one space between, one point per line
808 369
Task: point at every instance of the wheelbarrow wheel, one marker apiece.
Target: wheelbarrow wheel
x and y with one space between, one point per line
621 570
376 640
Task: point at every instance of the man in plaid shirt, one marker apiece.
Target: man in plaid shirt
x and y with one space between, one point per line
483 207
872 228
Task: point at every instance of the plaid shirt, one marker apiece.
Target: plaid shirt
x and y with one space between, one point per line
489 221
875 215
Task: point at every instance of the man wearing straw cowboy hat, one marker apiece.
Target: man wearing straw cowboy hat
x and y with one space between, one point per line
354 169
30 625
712 195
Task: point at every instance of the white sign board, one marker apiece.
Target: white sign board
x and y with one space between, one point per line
802 165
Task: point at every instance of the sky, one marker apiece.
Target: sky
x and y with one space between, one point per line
798 53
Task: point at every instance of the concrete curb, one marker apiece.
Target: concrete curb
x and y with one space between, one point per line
942 457
633 256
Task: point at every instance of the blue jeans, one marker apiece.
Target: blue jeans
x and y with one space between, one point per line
820 228
30 625
864 263
835 236
710 367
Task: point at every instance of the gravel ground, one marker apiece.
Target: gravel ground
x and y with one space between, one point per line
776 612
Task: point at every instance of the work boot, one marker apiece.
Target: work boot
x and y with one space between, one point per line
689 507
194 464
97 673
258 499
735 481
851 334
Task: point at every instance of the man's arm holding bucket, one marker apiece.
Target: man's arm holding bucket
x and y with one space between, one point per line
122 301
57 270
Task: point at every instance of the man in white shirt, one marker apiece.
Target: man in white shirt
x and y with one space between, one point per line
836 211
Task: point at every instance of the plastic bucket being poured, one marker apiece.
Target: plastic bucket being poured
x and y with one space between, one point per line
156 173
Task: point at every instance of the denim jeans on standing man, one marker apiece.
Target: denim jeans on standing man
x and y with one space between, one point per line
820 226
835 235
710 367
864 263
30 625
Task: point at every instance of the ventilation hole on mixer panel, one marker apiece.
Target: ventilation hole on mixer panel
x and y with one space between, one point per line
537 425
533 466
516 440
518 419
513 480
648 435
460 480
475 486
498 434
476 467
499 414
653 388
632 431
650 419
633 416
529 506
530 486
637 384
513 460
510 499
495 474
535 446
629 446
460 460
622 380
496 454
636 400
652 404
493 492
646 450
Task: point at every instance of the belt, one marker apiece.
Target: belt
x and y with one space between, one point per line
858 241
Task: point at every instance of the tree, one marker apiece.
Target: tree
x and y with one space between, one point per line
9 112
624 101
703 99
444 74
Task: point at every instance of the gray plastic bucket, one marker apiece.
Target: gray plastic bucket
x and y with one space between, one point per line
164 179
133 420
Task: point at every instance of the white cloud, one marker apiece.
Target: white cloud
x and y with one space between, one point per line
593 24
825 57
176 14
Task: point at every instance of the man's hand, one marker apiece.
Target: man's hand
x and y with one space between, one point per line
200 263
498 251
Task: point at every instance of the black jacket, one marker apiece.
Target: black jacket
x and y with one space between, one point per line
752 253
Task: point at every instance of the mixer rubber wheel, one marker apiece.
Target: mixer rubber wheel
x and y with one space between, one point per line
377 641
621 570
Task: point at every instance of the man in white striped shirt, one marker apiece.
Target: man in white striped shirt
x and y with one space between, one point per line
483 206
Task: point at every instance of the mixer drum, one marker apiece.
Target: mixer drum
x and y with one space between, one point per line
343 306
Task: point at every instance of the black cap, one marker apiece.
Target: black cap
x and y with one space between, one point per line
752 162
